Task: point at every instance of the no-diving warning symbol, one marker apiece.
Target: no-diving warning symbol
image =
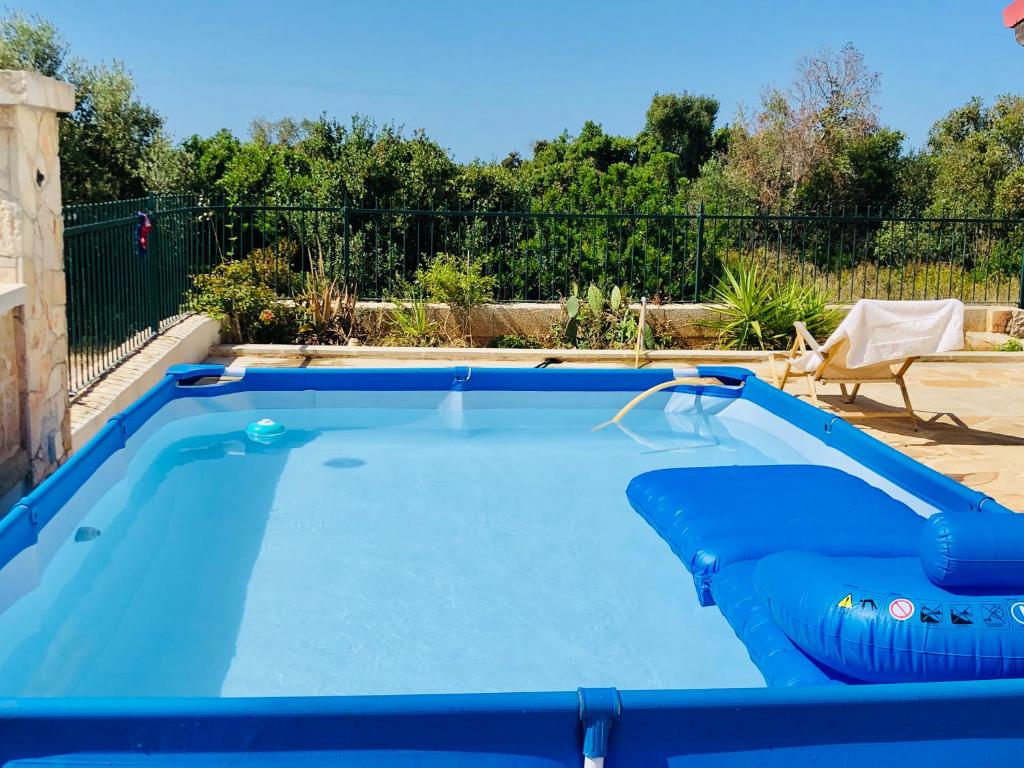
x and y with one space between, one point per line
1017 612
902 609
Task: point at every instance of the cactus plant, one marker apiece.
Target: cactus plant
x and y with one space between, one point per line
595 300
602 321
572 307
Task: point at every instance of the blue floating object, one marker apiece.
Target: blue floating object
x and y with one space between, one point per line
264 431
712 517
966 549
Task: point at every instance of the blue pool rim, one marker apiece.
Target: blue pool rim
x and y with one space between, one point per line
908 721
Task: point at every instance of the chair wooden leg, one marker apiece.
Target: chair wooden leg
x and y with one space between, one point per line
853 394
780 383
906 402
811 389
842 388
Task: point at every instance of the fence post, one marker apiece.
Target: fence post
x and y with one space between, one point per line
700 253
147 250
344 238
155 257
1020 287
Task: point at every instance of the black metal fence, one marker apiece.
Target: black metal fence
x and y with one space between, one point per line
119 294
122 291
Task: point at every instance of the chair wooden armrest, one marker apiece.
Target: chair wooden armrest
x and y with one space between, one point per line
804 337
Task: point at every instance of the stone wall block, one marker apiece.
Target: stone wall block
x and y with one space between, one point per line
1015 324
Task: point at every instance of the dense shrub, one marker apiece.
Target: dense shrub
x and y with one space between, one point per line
241 295
450 280
515 341
459 284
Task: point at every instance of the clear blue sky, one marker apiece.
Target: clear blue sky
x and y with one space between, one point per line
485 78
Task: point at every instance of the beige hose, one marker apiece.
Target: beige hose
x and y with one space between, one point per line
692 380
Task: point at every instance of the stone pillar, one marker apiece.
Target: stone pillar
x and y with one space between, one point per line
32 253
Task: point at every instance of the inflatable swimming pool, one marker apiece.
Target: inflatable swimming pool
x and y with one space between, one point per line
239 565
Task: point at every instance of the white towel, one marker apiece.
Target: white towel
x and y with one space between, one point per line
888 331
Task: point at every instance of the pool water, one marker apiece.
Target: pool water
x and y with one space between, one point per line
390 542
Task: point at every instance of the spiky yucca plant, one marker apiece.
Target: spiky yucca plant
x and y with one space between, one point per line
757 312
329 309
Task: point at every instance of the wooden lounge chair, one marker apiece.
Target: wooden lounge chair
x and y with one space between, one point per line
833 369
877 341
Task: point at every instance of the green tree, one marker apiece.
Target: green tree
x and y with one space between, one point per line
977 151
32 43
106 143
111 142
265 172
683 125
915 179
204 162
818 144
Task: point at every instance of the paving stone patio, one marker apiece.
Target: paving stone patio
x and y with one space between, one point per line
971 426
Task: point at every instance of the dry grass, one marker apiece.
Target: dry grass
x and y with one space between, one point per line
873 281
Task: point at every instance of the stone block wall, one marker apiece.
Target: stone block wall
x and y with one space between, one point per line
32 255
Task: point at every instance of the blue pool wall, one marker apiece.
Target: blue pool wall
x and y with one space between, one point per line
937 723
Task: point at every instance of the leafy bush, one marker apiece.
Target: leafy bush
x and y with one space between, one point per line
759 312
599 322
515 341
460 285
272 267
1011 345
1000 255
237 294
898 242
451 281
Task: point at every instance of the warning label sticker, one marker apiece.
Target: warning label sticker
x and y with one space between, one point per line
993 614
868 605
931 613
902 609
961 615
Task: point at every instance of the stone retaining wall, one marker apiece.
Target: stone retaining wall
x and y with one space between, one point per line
687 324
